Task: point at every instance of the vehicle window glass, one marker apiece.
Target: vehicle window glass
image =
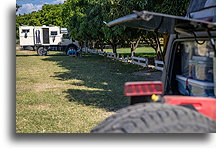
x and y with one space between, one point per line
54 33
196 69
197 60
25 30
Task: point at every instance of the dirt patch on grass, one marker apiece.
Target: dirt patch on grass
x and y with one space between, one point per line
40 107
47 86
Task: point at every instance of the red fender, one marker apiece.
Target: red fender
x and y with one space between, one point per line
204 105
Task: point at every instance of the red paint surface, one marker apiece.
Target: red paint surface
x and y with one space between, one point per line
204 105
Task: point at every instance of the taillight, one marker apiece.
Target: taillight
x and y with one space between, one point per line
143 88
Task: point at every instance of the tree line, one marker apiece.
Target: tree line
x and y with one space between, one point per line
85 21
49 15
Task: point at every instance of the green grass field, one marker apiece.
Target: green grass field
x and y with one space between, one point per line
61 94
146 52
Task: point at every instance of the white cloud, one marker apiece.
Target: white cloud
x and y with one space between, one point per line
58 1
28 8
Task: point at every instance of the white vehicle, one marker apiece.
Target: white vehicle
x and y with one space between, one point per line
46 38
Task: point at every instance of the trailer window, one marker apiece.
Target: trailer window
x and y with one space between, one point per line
25 30
54 33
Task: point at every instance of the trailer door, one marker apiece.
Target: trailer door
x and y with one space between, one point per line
45 35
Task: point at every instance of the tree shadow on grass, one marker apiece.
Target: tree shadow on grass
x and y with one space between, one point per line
95 80
26 55
34 53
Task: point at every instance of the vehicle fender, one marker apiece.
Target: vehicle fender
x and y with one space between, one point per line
204 105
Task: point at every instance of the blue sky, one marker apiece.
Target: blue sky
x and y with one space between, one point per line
34 5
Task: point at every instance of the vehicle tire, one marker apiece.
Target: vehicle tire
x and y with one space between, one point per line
41 51
34 48
24 48
156 118
27 47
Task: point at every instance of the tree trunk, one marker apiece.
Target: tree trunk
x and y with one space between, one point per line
93 44
80 44
113 42
151 43
155 44
132 50
102 45
134 46
160 49
87 44
114 47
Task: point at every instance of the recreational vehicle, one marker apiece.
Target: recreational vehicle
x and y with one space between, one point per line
46 38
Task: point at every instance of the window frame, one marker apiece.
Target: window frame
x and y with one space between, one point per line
53 33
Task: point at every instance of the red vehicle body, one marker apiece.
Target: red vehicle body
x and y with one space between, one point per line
204 105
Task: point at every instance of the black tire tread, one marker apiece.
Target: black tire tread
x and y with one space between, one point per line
156 118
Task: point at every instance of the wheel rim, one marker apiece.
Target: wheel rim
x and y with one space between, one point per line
42 51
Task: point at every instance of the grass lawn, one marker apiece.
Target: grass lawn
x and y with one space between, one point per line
146 52
61 94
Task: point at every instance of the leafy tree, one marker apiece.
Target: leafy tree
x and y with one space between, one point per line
17 7
119 8
85 20
49 15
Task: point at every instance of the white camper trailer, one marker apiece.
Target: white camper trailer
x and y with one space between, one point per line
46 38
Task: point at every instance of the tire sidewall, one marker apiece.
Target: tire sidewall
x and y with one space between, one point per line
42 51
156 118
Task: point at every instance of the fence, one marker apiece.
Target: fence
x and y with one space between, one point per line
101 53
135 60
140 61
111 55
122 58
159 65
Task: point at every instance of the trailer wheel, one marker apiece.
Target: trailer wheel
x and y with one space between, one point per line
24 48
34 48
156 118
41 51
